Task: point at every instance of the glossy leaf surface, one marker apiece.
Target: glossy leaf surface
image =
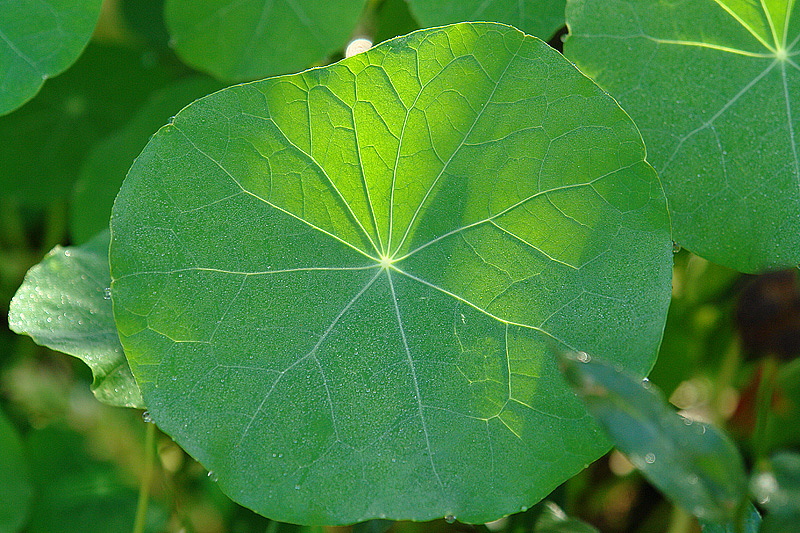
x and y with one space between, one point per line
714 87
15 482
39 40
108 162
541 18
239 40
63 304
338 289
694 464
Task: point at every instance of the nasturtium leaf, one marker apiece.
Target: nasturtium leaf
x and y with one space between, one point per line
694 464
42 145
15 479
65 304
541 18
39 40
338 289
714 87
393 18
238 40
105 167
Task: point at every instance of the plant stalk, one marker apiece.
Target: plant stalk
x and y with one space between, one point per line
147 479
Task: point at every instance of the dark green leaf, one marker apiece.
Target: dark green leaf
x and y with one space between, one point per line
693 464
39 40
752 523
64 304
541 18
15 482
43 144
239 40
392 19
338 289
106 165
714 86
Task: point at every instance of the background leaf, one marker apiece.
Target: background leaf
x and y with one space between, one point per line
752 523
250 39
39 40
63 304
338 289
15 482
541 18
692 463
715 90
43 144
106 165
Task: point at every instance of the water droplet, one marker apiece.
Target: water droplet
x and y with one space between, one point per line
107 293
450 519
646 383
675 247
147 418
67 253
213 476
650 458
583 357
297 487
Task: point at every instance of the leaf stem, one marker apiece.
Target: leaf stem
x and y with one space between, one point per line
766 389
147 478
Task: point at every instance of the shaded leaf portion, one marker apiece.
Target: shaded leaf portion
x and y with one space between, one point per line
541 18
239 40
63 304
752 523
692 463
43 144
715 90
39 40
337 289
106 165
15 482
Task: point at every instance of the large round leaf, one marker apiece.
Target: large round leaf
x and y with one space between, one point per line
39 39
247 39
715 89
537 17
339 289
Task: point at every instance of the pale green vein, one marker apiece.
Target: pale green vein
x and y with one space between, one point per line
310 354
458 148
771 25
415 382
700 44
246 273
526 243
745 25
257 197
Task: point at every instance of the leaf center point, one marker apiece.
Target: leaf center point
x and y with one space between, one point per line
386 261
781 54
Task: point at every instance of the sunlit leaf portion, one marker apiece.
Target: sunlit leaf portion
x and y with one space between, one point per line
39 40
338 289
541 18
714 87
692 463
15 482
65 304
239 40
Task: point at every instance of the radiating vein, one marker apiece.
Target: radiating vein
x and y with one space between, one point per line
745 25
457 149
312 353
415 382
700 44
716 115
771 24
257 197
